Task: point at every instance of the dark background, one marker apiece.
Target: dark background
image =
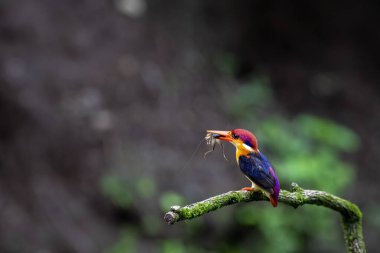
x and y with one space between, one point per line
101 109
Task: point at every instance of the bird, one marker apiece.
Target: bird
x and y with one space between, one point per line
253 164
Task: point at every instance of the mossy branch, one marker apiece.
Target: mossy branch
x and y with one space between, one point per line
351 215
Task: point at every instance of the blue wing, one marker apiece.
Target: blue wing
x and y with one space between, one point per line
258 169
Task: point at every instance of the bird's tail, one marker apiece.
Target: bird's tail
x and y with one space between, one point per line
273 200
274 196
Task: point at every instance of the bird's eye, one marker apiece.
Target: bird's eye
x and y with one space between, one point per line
235 136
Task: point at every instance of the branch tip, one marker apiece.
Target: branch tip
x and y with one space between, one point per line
171 217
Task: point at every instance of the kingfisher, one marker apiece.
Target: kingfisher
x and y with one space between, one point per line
253 164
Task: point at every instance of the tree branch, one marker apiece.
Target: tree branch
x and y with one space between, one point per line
351 215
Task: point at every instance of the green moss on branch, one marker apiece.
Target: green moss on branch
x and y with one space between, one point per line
351 215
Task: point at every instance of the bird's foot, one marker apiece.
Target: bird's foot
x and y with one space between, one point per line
251 189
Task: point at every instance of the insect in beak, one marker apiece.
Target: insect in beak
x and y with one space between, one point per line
211 140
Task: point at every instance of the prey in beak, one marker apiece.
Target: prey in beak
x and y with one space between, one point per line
220 135
214 137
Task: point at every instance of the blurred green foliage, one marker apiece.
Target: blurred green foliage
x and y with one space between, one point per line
304 155
117 190
127 242
173 246
327 132
168 199
126 194
123 193
177 246
145 187
257 95
151 224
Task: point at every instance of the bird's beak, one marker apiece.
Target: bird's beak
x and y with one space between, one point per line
221 135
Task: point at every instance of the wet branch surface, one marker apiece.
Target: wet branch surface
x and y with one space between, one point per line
351 214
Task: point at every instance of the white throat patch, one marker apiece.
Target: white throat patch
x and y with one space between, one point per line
247 147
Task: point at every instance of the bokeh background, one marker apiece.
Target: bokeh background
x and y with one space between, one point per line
104 106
